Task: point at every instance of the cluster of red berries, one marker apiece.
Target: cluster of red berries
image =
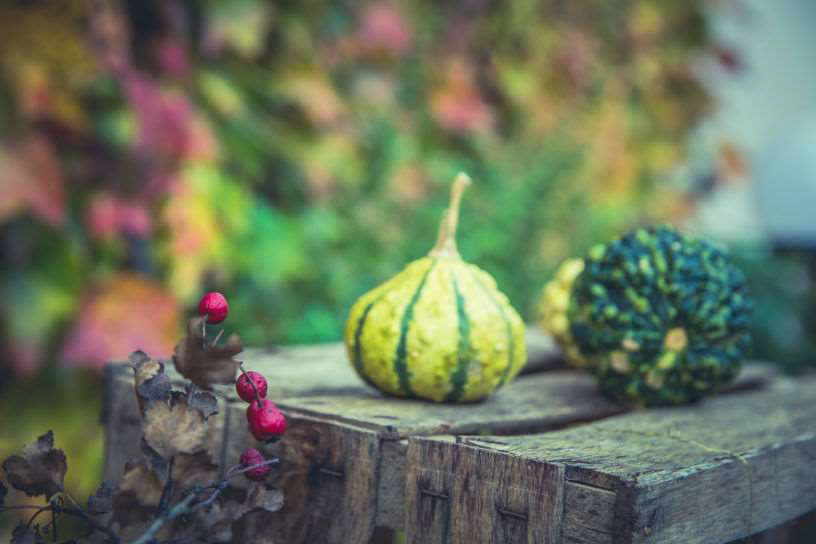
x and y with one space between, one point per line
266 422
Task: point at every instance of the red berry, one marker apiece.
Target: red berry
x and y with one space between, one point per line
265 420
243 386
253 457
213 305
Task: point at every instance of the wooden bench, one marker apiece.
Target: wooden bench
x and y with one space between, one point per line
546 459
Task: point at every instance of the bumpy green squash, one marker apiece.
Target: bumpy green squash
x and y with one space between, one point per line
439 330
662 316
553 305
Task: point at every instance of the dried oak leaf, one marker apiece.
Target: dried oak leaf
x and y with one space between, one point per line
150 380
40 470
101 502
205 364
169 430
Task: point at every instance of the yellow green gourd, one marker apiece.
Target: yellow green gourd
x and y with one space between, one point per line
553 305
439 330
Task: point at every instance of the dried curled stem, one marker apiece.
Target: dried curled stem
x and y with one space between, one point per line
446 239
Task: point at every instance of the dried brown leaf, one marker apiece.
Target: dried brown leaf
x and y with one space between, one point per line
40 470
155 388
132 530
149 379
138 358
218 523
205 364
203 401
142 480
157 463
138 494
194 469
174 429
261 497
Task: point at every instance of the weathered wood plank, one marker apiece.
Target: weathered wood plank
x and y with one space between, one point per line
531 403
329 410
447 503
391 491
534 402
725 469
329 474
121 421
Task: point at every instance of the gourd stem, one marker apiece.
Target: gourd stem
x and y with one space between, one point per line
446 240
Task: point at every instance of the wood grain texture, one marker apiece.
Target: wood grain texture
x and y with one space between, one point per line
391 491
329 474
456 493
725 469
532 403
121 420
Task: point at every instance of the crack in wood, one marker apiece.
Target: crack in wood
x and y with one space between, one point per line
511 514
331 472
434 494
584 484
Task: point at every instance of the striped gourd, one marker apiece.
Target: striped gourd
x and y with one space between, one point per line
439 330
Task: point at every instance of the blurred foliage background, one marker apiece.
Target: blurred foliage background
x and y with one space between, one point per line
294 154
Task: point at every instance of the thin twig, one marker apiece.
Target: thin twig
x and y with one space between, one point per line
70 511
53 525
179 509
22 507
39 511
70 498
186 506
225 441
89 520
167 491
240 469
